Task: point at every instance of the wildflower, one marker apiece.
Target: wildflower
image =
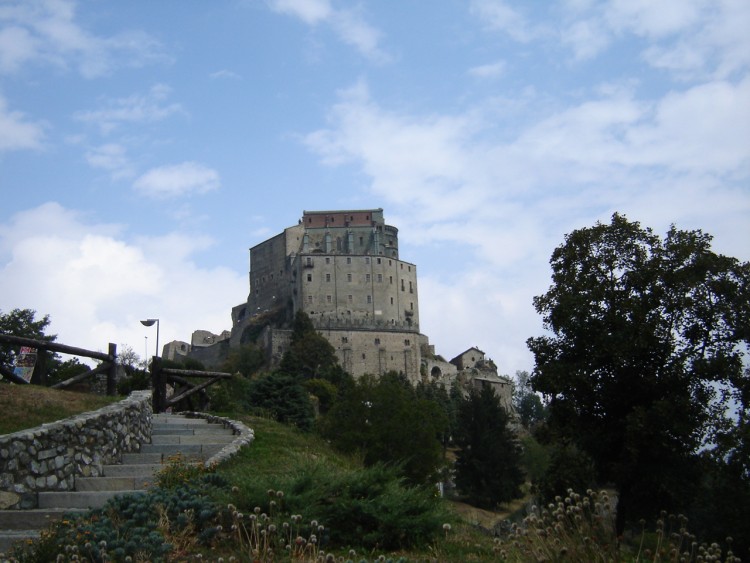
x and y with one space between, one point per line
447 527
280 494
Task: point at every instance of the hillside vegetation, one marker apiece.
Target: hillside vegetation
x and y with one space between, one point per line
27 406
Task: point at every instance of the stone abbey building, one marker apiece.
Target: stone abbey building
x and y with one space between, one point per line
343 269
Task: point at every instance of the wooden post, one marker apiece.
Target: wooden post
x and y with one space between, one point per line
39 377
158 382
112 371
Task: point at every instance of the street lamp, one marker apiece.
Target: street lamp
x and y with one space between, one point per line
150 322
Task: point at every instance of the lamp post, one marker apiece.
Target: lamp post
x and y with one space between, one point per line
150 322
145 358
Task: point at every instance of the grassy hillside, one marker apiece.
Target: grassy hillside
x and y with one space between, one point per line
27 406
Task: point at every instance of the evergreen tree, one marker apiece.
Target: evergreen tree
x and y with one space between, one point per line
488 463
310 355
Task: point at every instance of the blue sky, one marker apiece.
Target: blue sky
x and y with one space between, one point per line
145 146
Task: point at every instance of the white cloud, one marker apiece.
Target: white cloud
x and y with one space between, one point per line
348 24
498 15
491 70
224 73
137 108
507 199
95 285
177 180
15 132
111 157
46 31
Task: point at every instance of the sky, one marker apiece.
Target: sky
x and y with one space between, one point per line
146 146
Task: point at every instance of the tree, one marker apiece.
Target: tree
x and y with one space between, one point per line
246 359
21 322
383 420
645 334
310 355
488 463
284 397
527 404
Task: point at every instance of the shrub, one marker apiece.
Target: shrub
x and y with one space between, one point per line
284 397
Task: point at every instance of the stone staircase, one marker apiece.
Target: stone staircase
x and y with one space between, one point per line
194 439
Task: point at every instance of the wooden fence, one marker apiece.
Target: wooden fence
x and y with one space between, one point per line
184 389
108 363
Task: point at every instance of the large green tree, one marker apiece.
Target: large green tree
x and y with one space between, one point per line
645 336
383 420
310 355
488 462
21 322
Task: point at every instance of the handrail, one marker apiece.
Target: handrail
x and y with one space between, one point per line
40 375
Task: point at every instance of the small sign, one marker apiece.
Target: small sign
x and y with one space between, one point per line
25 362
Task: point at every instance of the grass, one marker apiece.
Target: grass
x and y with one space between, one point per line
27 406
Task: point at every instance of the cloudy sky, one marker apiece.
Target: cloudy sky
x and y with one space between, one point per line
146 146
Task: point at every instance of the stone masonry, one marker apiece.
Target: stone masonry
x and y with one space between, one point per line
48 458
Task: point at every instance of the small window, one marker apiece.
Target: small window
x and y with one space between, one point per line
402 266
390 263
344 339
367 259
407 342
364 356
377 342
309 277
369 298
411 288
329 298
403 288
328 259
361 241
328 277
348 259
378 260
391 278
348 277
350 298
410 268
367 277
309 298
380 277
411 305
391 300
308 261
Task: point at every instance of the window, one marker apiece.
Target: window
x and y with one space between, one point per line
407 342
348 277
350 298
402 286
369 298
367 277
410 268
309 277
309 298
402 266
328 259
411 289
328 277
411 305
367 259
348 259
308 261
378 260
390 263
364 356
380 277
329 298
391 300
391 278
377 342
344 339
361 241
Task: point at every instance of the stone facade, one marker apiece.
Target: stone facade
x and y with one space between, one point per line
48 458
343 270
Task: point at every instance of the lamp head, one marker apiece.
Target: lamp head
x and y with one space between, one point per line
149 322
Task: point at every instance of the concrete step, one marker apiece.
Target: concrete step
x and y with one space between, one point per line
175 430
184 450
32 519
119 483
171 439
141 458
141 470
78 499
178 420
8 538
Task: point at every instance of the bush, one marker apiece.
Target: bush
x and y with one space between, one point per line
284 398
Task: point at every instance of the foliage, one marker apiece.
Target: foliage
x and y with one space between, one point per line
324 391
230 395
448 403
246 359
23 323
567 467
371 507
65 370
527 404
284 398
384 421
535 458
179 471
646 333
310 355
153 526
488 468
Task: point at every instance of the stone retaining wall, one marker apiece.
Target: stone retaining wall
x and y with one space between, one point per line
48 458
243 436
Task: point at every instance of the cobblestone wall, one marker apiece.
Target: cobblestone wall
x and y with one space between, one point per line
48 458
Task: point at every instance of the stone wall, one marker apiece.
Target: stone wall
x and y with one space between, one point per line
48 458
